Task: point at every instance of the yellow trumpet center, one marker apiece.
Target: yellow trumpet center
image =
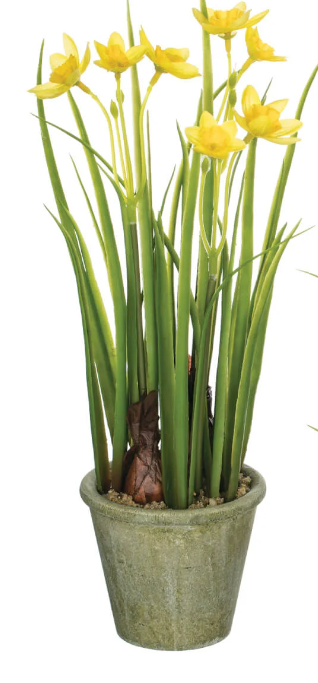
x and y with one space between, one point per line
220 18
67 73
116 56
262 49
262 120
214 139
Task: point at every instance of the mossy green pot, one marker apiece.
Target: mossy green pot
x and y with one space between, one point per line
173 576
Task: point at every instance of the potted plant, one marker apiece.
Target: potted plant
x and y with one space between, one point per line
174 510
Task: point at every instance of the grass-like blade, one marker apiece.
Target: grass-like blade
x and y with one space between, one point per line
97 426
200 373
284 173
84 144
166 375
242 296
132 326
182 337
118 295
193 307
245 380
94 380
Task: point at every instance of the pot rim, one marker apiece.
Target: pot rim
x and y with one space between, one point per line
168 517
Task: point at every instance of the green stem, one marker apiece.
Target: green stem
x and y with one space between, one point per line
130 180
121 155
201 213
207 66
152 83
226 203
110 128
229 61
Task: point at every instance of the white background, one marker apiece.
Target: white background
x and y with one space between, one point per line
55 614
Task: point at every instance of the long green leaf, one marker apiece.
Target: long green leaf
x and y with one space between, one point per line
132 326
200 372
244 387
182 338
94 380
256 372
242 302
307 273
105 352
84 144
193 307
166 376
284 173
117 290
97 420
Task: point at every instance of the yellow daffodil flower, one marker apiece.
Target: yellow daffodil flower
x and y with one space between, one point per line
224 23
66 71
171 60
214 140
259 51
262 121
115 58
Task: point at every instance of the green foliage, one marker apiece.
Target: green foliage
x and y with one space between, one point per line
151 350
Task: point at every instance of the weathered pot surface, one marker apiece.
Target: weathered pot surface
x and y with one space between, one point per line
173 576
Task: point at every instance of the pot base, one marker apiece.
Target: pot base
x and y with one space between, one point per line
198 646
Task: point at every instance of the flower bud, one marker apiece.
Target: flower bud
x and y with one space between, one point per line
232 98
233 80
114 109
205 165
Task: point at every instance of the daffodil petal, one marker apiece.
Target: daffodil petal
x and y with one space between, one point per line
70 47
213 30
260 126
86 59
101 49
199 16
255 20
241 121
221 154
201 150
116 39
47 91
276 59
144 41
230 127
240 22
177 55
182 69
282 141
288 127
193 134
249 98
109 66
207 120
241 6
136 53
236 145
57 60
279 105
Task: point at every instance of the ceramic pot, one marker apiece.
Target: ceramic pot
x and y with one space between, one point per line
173 576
